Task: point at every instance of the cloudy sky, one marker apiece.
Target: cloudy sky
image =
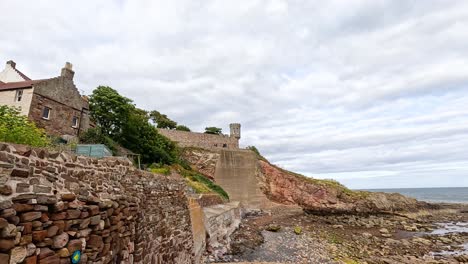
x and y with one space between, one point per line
371 93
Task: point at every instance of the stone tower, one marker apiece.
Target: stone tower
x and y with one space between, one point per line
235 130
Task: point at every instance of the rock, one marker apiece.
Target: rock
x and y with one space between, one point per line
21 207
445 240
6 244
73 214
5 189
273 228
383 230
17 255
95 220
31 249
4 258
45 252
3 223
60 241
63 253
23 173
9 231
68 196
366 235
54 259
338 226
30 260
423 241
462 258
74 245
39 236
52 231
6 213
95 242
30 216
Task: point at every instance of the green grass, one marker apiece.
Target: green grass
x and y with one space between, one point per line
200 183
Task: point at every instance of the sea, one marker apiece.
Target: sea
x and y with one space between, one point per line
442 194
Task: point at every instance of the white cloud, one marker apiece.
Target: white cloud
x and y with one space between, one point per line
373 93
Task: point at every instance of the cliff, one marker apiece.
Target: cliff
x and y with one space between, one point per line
249 180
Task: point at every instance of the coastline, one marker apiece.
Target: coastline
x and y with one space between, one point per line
382 238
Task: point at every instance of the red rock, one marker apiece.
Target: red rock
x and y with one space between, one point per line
4 258
3 223
45 252
52 231
39 236
27 228
30 260
74 245
68 196
60 240
94 242
5 189
30 216
6 244
61 225
93 209
20 207
44 217
73 214
55 259
25 240
59 216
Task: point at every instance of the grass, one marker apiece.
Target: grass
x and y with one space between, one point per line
200 183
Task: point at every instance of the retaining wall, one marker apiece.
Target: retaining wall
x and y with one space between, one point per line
53 204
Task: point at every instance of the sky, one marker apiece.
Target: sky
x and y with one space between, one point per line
371 93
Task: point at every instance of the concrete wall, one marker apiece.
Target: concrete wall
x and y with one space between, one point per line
200 140
236 172
52 204
9 98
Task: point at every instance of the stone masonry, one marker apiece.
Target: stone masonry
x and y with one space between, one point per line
203 140
53 204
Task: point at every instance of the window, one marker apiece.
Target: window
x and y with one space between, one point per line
75 122
46 113
19 95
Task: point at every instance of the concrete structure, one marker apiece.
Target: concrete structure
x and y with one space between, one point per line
203 140
53 104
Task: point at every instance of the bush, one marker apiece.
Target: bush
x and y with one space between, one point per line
15 128
182 128
95 136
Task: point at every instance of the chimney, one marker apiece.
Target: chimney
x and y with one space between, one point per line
67 71
11 63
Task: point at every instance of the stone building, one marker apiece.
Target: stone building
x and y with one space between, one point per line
203 140
54 104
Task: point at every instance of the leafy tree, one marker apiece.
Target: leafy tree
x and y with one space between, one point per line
183 128
16 128
109 110
120 121
213 130
162 121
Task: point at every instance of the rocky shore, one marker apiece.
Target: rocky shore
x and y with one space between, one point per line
290 235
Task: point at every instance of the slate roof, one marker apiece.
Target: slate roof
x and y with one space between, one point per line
17 85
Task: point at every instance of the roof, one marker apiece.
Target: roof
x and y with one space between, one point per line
17 85
22 75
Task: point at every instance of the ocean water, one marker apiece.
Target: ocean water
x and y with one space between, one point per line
447 195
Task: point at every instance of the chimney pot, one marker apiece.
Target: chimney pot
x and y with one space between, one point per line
12 64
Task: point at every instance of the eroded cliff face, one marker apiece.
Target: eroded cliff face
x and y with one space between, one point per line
321 196
204 161
284 187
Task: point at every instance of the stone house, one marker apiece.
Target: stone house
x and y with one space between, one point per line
54 104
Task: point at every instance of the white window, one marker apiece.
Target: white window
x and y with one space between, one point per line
75 122
19 95
46 112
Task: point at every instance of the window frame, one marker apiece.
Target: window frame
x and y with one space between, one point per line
19 95
75 121
48 112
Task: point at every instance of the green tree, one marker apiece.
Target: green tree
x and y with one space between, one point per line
109 110
16 128
95 136
183 128
162 121
213 130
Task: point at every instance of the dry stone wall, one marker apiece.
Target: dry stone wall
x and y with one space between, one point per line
54 204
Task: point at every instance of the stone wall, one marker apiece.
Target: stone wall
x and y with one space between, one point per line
53 204
200 140
60 118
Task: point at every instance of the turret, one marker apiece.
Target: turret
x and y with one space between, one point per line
235 130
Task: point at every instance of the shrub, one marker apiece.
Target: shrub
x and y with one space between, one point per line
15 128
182 128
